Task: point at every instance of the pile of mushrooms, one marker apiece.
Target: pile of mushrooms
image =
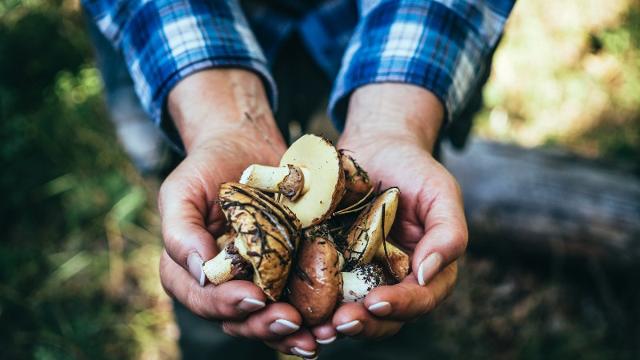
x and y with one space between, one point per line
312 230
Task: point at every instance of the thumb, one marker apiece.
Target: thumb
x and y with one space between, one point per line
187 240
445 238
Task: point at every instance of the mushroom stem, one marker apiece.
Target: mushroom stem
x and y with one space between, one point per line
227 265
353 289
287 180
219 269
358 283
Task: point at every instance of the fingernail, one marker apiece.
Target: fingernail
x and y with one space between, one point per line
250 304
326 341
194 263
350 328
428 268
302 352
381 308
283 327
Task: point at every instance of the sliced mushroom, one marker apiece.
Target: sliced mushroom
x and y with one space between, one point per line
267 235
316 283
310 179
358 282
357 182
367 236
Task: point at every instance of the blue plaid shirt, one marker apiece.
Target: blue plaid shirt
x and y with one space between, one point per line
441 45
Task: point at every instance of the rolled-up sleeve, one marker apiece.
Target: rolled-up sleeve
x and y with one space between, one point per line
164 41
442 46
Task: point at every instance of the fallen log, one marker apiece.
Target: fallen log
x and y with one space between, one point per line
534 201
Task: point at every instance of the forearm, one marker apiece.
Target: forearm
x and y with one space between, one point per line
390 111
166 41
221 102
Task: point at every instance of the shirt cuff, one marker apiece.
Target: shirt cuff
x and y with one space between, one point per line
442 48
164 41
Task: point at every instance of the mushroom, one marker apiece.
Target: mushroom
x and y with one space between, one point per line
225 238
394 259
316 283
360 280
310 179
357 182
367 236
267 234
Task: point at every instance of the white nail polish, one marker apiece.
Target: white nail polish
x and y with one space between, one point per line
379 305
254 301
288 324
250 304
194 264
428 268
326 341
302 352
348 326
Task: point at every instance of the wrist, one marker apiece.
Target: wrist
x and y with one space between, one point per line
221 104
394 112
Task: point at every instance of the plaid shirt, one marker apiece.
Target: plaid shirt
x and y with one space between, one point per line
442 45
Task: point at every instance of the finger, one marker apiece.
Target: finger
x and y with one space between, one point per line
300 343
273 322
325 333
353 319
408 300
446 234
183 206
233 300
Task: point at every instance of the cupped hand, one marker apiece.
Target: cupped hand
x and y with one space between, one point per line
430 222
220 142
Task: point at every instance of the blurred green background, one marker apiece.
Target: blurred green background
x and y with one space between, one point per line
80 247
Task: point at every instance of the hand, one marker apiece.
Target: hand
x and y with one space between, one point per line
391 129
225 123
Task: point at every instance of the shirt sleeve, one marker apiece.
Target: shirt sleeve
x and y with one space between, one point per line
441 45
164 41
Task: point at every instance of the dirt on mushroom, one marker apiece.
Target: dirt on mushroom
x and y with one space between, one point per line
272 208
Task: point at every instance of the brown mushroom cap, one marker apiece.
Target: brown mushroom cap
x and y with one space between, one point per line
357 182
315 283
267 234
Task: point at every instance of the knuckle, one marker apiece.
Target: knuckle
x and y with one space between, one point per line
227 328
164 281
453 268
459 241
193 301
428 302
457 189
162 195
